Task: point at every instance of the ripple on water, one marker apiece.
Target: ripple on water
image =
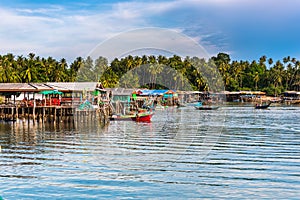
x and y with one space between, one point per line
234 152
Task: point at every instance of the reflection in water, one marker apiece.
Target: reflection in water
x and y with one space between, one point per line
234 152
30 134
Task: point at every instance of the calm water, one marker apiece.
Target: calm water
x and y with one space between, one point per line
233 152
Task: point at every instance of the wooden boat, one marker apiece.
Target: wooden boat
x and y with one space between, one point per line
160 107
180 105
140 117
206 107
265 106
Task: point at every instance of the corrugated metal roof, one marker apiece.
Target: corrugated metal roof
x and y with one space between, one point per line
73 86
68 87
121 91
22 87
37 87
62 86
40 86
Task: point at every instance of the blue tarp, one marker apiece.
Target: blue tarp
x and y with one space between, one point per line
153 92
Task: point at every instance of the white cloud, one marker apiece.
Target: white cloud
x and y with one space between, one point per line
54 9
63 34
154 40
57 31
139 9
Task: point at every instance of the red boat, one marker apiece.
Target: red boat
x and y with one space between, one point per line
140 117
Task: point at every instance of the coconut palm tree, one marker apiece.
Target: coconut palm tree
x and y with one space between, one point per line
74 67
60 70
270 61
256 79
276 74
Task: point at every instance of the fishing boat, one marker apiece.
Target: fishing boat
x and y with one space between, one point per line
160 107
265 106
200 106
139 117
206 107
180 105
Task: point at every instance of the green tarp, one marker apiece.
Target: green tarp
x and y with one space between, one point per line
47 92
95 93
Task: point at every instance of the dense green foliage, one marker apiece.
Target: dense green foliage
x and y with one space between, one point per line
35 69
264 74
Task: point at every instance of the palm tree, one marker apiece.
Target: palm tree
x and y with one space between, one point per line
162 60
74 68
101 65
60 70
129 80
28 73
85 73
276 73
9 68
262 60
295 74
286 59
270 61
256 79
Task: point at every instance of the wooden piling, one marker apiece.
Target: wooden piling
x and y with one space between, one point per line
53 114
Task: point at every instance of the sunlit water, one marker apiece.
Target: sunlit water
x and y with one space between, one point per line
233 152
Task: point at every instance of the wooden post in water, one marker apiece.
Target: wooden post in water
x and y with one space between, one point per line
33 111
49 114
61 114
17 113
37 115
12 113
44 113
54 114
22 112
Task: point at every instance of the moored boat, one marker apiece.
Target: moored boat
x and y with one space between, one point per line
201 106
140 117
265 106
206 107
160 107
180 105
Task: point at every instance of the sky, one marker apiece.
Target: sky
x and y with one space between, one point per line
245 29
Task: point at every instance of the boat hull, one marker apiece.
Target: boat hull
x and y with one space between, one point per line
142 117
206 107
262 106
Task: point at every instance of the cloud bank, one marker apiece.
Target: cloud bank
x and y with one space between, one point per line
245 28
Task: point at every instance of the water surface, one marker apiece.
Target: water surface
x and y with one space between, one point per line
233 152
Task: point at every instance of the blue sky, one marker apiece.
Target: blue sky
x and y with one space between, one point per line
246 29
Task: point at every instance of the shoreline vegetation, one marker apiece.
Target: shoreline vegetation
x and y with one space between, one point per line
264 74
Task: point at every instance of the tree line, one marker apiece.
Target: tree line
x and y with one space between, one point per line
264 74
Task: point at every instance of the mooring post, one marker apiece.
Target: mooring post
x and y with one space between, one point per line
12 113
54 114
17 112
60 114
33 111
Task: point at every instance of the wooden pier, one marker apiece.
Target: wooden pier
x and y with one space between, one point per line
16 113
54 102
